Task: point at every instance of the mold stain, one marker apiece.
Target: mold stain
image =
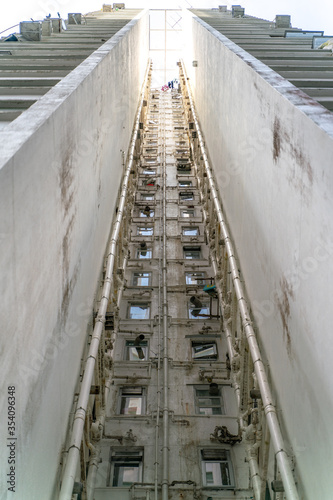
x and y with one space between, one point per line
67 283
276 139
66 178
283 304
300 172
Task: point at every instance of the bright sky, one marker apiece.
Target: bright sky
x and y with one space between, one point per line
306 15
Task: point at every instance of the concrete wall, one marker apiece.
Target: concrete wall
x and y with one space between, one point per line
271 147
60 170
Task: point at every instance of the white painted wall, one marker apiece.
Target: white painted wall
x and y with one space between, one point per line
60 170
271 147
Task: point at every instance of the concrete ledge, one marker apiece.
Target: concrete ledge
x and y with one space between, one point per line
321 116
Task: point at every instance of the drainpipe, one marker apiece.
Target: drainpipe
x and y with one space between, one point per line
73 457
269 408
165 478
157 425
251 459
94 460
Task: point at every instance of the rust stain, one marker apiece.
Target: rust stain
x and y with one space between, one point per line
283 304
276 139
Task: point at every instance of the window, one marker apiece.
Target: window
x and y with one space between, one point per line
148 171
147 197
136 350
184 183
187 212
139 310
184 168
191 231
146 253
145 231
132 401
148 182
146 212
126 468
198 312
186 195
208 400
217 468
192 252
141 279
197 278
204 350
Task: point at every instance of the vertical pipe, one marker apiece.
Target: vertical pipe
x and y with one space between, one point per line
269 408
165 479
71 465
157 427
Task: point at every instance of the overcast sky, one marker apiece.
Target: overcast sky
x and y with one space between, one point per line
304 14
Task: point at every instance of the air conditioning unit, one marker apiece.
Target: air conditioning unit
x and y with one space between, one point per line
31 30
282 21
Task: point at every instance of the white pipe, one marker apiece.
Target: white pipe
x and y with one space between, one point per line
269 408
157 426
80 414
252 461
94 460
165 478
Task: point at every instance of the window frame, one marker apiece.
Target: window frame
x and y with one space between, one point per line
139 228
142 215
199 405
222 456
129 344
190 228
147 196
183 210
203 278
137 457
184 183
186 196
140 256
149 171
193 248
197 343
135 278
205 306
138 304
128 392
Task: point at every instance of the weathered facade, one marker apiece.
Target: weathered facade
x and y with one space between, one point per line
166 262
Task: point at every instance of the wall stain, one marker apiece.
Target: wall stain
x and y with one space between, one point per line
300 172
302 162
276 139
67 282
283 304
66 178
